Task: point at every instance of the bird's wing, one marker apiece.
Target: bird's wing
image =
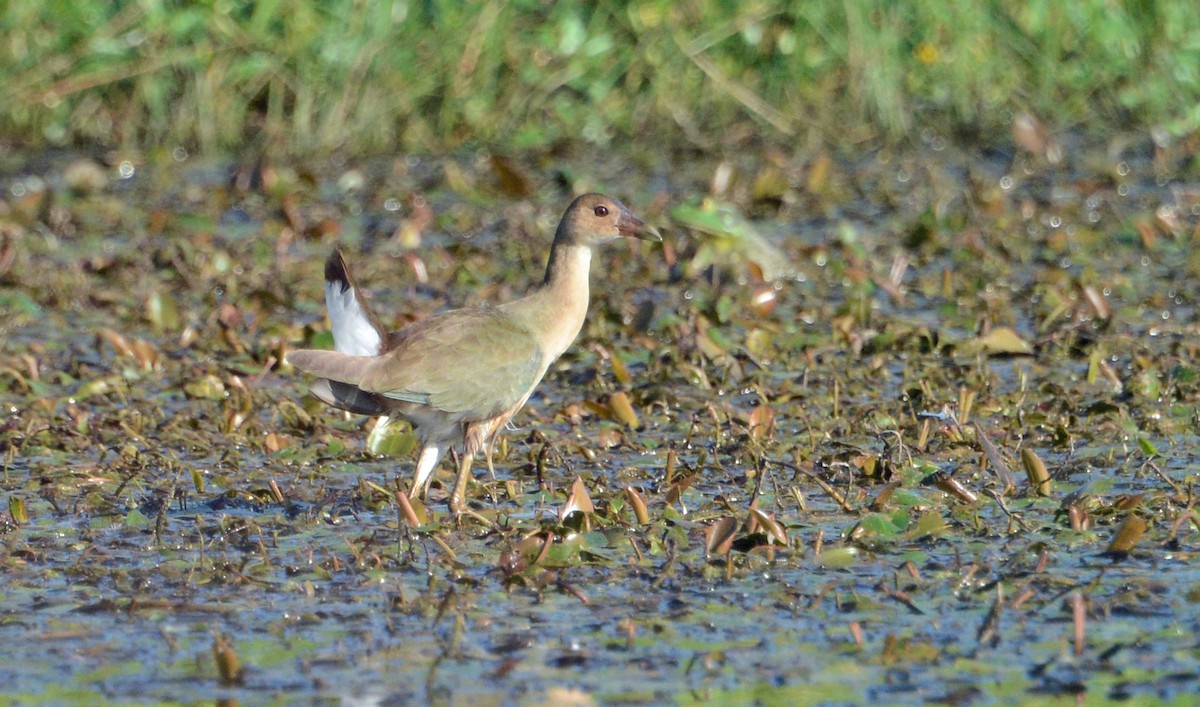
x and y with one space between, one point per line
478 362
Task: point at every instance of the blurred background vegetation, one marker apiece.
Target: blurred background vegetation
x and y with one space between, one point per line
353 77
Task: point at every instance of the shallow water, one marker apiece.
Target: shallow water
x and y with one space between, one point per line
143 523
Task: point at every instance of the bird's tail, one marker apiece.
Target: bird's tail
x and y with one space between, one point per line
356 330
348 397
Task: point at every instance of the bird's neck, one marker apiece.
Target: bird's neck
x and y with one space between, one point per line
556 310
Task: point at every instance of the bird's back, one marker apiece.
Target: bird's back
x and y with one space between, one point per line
472 364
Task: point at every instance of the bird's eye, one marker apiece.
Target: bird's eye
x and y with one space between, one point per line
600 211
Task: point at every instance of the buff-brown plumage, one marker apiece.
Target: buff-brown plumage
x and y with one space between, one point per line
459 376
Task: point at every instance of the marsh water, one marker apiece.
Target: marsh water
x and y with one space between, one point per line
870 427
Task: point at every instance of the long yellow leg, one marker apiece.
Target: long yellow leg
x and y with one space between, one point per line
487 454
458 499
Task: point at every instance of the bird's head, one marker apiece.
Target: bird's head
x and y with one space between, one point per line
595 218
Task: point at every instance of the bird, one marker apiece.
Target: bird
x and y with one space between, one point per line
460 375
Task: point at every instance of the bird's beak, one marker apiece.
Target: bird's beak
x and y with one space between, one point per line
630 225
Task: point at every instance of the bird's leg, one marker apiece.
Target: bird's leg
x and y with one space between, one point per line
458 499
431 454
487 455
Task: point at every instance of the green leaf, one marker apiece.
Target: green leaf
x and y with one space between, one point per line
209 387
838 557
391 439
732 238
1147 447
135 519
162 312
97 387
880 525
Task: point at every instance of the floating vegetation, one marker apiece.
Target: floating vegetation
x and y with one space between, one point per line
781 467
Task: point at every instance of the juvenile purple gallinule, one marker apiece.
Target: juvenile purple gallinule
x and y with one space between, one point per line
459 376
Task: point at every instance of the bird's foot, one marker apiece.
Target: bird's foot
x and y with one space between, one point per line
464 512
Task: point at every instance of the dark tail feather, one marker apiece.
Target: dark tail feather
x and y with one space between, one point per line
348 397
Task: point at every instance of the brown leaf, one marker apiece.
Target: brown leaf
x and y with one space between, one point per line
956 488
1097 302
1029 133
609 437
1127 535
762 422
1078 517
1002 340
408 511
1147 234
324 228
620 370
678 487
511 179
638 503
1035 469
621 409
157 220
718 537
577 501
147 356
229 668
770 184
228 315
291 213
884 496
84 176
995 460
770 526
8 252
1079 616
408 234
119 343
763 298
818 174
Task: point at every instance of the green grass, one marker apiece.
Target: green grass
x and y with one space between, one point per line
358 77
